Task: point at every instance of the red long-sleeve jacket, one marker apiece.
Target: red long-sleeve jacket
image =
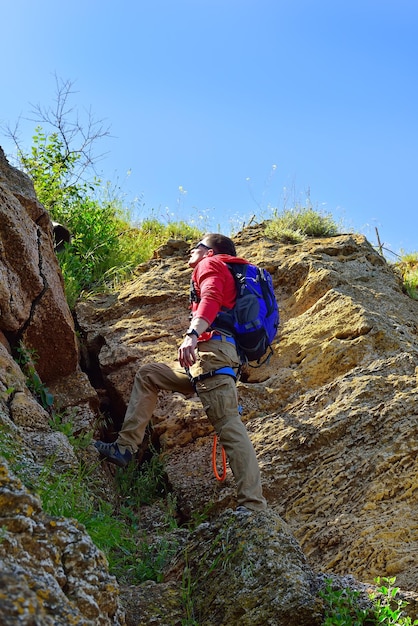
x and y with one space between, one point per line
214 286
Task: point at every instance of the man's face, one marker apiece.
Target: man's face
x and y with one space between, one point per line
199 252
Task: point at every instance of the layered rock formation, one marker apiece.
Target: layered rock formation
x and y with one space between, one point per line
333 416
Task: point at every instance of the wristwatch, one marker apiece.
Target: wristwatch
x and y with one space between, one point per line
191 332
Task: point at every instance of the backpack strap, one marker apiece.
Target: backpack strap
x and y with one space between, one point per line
193 293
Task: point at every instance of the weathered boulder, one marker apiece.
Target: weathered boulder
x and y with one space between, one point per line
247 570
33 307
237 570
50 570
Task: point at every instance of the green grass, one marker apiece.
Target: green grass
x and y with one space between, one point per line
143 484
10 446
115 529
343 607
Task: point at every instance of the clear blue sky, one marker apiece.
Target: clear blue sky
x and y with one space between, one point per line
245 105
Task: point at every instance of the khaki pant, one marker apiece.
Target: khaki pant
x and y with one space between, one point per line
220 402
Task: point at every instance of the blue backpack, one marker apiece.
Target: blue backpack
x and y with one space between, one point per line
254 320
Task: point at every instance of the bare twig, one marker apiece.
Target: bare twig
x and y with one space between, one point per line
380 247
78 138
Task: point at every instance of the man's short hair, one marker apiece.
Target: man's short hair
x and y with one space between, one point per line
220 244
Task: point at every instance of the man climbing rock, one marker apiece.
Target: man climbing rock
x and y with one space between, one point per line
210 362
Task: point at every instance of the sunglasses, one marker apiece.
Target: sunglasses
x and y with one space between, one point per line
201 245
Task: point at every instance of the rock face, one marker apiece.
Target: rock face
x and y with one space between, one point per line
333 418
32 298
51 573
235 570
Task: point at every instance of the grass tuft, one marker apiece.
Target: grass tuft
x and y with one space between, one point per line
295 225
408 267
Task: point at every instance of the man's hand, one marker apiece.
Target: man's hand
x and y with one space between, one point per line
187 356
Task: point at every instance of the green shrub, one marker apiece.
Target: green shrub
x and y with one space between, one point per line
342 607
27 358
105 246
64 423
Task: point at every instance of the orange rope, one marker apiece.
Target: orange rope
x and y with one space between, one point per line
215 470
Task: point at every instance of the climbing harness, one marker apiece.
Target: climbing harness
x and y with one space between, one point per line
227 371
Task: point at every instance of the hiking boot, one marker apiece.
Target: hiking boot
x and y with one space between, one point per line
113 452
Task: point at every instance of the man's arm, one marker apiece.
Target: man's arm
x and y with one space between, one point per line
186 353
211 278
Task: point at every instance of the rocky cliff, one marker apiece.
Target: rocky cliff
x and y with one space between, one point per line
333 417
